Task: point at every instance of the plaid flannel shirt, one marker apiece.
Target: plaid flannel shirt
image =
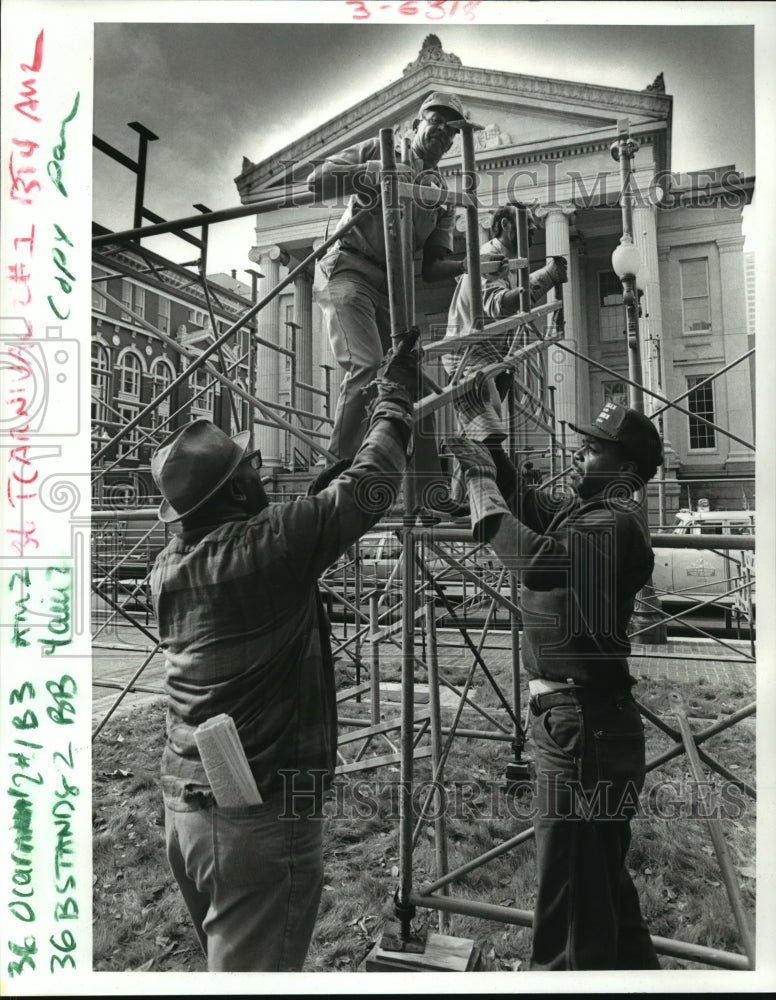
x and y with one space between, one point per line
241 626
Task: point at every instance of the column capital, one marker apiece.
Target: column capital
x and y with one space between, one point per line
271 251
565 209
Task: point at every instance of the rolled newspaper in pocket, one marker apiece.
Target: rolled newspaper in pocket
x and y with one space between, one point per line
225 763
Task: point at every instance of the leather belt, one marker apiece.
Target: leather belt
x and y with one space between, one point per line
364 256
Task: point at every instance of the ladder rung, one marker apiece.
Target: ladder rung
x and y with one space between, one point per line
491 331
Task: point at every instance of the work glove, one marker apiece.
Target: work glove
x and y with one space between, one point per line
396 384
473 458
479 471
555 272
401 366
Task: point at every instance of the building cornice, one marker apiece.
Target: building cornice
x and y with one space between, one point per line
401 99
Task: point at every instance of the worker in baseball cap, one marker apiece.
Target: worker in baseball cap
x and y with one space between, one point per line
351 280
631 437
582 557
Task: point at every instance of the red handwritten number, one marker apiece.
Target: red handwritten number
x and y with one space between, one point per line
439 7
470 8
362 11
37 61
408 9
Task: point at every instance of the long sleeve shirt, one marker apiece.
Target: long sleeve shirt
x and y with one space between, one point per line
581 564
241 628
363 247
460 314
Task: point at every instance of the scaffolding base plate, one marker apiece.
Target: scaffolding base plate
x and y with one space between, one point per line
442 953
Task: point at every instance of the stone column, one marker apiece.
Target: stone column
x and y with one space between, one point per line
735 384
269 260
303 314
563 370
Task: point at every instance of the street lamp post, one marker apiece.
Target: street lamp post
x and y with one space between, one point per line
627 264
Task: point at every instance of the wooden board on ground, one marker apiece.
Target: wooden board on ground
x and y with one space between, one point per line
442 953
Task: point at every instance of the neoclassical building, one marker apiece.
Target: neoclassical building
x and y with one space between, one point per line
547 143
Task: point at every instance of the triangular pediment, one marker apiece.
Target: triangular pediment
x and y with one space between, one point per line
518 113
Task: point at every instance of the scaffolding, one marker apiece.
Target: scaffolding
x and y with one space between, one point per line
439 575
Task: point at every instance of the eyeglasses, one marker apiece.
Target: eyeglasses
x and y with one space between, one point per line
438 121
254 458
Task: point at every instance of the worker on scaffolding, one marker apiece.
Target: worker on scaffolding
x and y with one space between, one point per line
582 556
351 285
479 412
244 634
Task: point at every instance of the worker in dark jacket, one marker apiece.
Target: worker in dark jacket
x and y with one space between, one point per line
582 557
243 634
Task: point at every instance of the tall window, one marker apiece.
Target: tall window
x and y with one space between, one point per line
101 375
700 402
696 316
99 302
611 312
161 376
164 314
127 446
203 390
615 392
126 298
138 298
132 298
130 368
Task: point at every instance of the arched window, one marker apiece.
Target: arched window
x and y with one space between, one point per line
130 368
162 374
101 391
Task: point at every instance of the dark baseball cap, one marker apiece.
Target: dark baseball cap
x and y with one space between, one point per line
632 430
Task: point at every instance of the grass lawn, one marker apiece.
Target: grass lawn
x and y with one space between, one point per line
140 922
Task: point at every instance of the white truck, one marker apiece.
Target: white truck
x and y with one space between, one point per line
690 576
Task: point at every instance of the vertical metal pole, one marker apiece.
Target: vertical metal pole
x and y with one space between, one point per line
400 323
514 593
551 398
437 765
408 241
146 136
469 180
374 662
253 332
357 612
392 227
622 151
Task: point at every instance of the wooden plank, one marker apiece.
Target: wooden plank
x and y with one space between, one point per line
442 953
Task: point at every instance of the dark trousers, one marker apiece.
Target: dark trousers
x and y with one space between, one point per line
590 769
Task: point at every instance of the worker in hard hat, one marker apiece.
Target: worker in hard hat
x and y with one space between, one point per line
351 285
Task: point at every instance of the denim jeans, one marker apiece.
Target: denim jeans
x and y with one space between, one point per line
358 323
590 769
251 881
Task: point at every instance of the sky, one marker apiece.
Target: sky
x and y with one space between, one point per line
215 92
